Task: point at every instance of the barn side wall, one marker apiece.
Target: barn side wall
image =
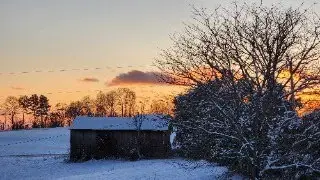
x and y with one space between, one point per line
82 145
88 144
155 144
152 144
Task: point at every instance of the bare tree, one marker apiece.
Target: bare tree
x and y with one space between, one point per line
87 105
261 44
11 106
61 109
131 103
142 105
244 64
112 99
73 110
4 114
101 104
58 116
126 101
43 110
25 105
162 105
106 103
34 104
137 122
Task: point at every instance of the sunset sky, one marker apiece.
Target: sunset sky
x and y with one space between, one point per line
60 35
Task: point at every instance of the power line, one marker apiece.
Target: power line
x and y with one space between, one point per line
58 92
73 69
81 91
66 70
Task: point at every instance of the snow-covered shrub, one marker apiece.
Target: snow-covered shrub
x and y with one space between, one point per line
255 134
247 63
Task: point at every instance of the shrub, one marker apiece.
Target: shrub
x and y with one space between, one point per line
260 136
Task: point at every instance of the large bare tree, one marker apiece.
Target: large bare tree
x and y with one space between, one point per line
246 65
106 103
266 45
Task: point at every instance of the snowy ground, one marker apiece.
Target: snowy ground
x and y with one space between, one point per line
42 154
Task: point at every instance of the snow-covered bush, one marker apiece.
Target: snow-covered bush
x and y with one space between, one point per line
259 135
246 64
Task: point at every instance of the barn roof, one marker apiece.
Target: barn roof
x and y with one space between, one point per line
148 122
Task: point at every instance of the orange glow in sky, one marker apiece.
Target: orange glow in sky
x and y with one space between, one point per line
59 35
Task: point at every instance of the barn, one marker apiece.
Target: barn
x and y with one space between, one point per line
143 136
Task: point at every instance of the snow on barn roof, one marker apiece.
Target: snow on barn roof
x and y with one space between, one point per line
148 122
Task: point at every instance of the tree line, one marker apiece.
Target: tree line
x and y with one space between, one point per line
37 110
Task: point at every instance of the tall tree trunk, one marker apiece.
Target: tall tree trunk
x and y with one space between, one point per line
5 120
41 121
122 110
22 118
12 120
34 117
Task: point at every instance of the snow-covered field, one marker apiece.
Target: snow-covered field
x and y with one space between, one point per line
42 154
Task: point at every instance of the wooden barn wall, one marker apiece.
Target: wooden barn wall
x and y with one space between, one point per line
82 144
155 143
100 144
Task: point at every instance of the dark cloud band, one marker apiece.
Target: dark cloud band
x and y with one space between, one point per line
137 77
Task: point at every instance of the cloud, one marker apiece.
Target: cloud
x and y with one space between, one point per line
136 77
89 79
17 88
